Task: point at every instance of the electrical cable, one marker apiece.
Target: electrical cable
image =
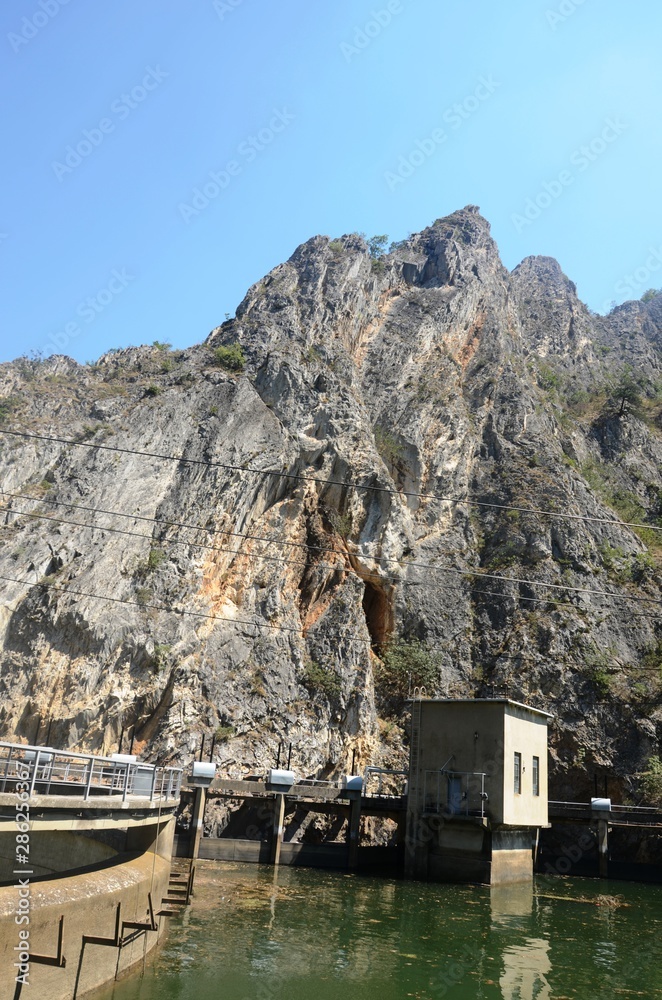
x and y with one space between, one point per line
331 482
371 577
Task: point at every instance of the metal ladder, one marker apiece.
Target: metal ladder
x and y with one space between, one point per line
415 748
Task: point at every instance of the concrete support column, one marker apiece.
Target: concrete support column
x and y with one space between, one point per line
603 847
417 840
197 821
278 828
353 831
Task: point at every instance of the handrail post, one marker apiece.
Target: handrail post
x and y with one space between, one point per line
153 789
50 765
90 761
35 765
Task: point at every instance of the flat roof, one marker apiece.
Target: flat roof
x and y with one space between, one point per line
485 701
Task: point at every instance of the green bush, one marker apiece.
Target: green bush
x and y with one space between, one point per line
7 406
321 680
230 357
160 657
387 446
342 523
598 669
548 378
153 390
224 733
407 664
155 558
652 660
651 782
144 595
335 246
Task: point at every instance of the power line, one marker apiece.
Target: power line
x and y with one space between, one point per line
332 482
169 610
167 524
370 577
301 631
169 541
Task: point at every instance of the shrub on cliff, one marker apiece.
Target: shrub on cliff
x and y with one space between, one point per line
407 664
321 680
651 782
230 357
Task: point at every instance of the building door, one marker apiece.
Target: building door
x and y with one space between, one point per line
454 793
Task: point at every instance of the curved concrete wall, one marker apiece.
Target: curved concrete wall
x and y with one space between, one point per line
53 851
88 902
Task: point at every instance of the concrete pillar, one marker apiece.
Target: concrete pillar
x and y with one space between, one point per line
278 827
353 830
197 820
603 847
417 840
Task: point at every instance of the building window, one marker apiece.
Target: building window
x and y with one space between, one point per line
536 775
518 773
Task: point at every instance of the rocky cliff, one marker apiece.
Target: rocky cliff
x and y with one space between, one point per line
416 446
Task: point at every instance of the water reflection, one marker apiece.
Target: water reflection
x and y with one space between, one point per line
311 935
511 905
525 969
526 963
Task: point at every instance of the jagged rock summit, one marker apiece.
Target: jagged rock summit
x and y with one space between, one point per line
371 456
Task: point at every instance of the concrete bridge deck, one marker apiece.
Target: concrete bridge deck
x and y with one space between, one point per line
315 795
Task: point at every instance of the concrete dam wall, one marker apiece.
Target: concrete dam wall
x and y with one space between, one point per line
83 929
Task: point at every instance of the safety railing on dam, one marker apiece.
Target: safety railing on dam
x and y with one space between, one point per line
46 771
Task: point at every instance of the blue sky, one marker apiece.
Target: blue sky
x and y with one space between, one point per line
315 116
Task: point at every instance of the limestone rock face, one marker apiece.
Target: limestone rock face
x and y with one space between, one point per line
390 461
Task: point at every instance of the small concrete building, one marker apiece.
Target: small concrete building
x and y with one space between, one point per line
477 789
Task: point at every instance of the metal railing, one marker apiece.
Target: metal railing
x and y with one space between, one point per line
558 803
399 779
65 772
454 793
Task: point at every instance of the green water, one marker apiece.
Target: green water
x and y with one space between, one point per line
296 934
